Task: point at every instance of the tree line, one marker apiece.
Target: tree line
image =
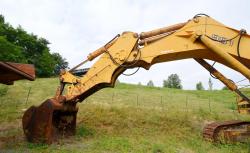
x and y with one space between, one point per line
174 81
17 45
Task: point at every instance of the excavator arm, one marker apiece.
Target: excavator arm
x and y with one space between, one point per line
199 38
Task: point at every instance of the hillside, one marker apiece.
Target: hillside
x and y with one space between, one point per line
127 118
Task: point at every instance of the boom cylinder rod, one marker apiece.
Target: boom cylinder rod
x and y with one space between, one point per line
85 61
159 31
97 52
228 58
154 38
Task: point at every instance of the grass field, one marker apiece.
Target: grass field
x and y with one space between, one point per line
128 118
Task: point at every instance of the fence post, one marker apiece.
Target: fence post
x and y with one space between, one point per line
162 104
186 103
137 97
234 111
113 95
28 96
234 105
16 104
199 101
166 103
209 104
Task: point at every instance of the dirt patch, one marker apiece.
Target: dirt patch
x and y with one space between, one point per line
5 126
10 133
1 144
4 141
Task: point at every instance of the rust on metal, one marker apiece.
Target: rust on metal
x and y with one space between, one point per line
227 131
52 119
10 72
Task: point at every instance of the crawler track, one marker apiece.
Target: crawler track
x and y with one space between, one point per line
228 131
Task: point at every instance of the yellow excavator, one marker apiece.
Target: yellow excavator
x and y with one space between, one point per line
199 38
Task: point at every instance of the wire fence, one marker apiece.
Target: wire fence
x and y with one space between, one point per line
183 102
177 102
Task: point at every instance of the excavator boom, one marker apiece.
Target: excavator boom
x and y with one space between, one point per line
199 38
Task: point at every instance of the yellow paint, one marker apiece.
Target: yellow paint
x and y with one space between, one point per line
190 41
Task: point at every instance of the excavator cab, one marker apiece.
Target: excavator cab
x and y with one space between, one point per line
243 105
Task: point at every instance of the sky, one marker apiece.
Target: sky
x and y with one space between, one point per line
77 27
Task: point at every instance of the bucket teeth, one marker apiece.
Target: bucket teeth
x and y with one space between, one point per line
49 121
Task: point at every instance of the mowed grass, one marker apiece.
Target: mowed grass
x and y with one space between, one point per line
127 118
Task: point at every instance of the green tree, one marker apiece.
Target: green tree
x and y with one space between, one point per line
16 45
10 52
61 63
46 65
150 83
1 19
173 81
199 86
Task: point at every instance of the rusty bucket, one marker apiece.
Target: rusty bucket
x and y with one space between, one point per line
49 121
